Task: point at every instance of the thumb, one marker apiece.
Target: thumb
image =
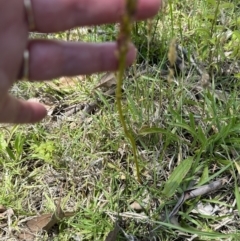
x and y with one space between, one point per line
17 111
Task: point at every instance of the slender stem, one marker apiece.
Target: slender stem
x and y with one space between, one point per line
123 45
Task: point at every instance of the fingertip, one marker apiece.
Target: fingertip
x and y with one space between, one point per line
36 112
132 54
148 8
17 111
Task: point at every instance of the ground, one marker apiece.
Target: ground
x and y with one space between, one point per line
73 177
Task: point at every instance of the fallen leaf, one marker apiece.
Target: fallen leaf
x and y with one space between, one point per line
50 109
41 222
88 109
44 222
107 80
2 209
136 206
68 82
112 236
194 192
205 209
26 236
110 92
65 84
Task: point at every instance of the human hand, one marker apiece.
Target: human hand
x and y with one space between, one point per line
51 59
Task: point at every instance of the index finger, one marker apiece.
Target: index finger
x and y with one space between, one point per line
60 15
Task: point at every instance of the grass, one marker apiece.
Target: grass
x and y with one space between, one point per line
187 135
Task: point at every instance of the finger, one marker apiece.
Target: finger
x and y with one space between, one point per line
18 111
60 15
52 59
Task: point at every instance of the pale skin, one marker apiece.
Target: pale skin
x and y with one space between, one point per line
52 59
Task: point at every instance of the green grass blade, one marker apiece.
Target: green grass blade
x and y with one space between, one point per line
237 195
154 130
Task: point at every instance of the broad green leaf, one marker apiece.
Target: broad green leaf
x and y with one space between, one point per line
137 116
236 34
192 121
10 153
186 127
204 176
3 143
211 2
237 75
177 176
201 136
226 5
203 31
14 129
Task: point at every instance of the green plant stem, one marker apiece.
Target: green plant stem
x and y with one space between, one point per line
123 46
213 27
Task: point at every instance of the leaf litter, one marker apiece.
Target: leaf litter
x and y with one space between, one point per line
43 222
194 192
173 216
108 80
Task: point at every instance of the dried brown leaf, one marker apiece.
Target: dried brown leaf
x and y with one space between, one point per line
26 236
88 109
39 223
2 209
44 222
110 92
112 236
68 82
65 83
136 206
107 80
